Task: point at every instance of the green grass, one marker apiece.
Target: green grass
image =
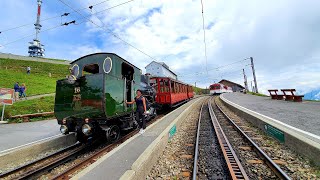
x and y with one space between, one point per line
257 94
38 82
200 90
311 100
43 104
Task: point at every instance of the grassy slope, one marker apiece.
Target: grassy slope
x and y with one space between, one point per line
43 104
38 82
200 91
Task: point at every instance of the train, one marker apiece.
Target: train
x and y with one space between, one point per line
218 88
170 92
90 101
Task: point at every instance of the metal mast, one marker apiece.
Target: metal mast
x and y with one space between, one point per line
254 76
245 81
36 48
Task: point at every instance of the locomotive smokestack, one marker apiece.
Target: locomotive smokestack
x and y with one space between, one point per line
148 78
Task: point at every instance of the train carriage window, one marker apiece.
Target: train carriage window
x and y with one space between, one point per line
167 85
154 84
172 87
164 85
90 69
161 84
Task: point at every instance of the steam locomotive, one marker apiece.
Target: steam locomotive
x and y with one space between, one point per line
91 100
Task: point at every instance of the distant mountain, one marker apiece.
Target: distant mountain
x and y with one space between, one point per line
313 95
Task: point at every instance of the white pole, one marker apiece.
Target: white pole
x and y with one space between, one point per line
2 112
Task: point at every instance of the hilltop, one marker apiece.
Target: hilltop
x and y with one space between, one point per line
38 82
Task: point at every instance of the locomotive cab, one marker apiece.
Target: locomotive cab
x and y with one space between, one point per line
90 101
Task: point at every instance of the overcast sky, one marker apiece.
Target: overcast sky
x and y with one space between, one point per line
281 36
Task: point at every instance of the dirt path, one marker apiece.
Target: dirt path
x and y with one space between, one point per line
36 96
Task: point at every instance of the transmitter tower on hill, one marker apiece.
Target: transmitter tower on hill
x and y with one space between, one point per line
36 49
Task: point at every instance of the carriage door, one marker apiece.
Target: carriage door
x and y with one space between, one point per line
127 75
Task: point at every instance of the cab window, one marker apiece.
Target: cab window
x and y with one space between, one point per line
90 69
74 70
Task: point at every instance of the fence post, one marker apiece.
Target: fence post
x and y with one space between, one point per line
3 112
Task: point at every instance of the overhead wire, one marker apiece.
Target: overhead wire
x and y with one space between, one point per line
109 30
204 38
62 24
216 68
49 18
65 24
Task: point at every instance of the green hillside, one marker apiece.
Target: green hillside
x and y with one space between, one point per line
199 91
43 104
38 82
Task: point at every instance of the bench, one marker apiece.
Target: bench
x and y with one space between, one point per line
292 96
275 95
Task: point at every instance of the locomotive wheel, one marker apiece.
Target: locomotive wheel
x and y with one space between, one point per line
82 138
113 133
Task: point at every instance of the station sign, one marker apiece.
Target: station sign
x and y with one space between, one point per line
172 131
276 133
6 96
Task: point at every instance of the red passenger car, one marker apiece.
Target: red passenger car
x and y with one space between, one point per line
171 92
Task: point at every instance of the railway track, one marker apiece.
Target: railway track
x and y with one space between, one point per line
32 168
209 118
44 165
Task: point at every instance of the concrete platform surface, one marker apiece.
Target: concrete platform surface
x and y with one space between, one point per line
117 163
14 135
304 116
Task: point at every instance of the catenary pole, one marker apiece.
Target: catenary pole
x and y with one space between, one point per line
245 80
254 76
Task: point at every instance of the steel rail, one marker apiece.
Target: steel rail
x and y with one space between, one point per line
93 157
275 168
235 168
196 150
29 165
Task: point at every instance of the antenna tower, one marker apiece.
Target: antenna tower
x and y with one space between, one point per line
36 49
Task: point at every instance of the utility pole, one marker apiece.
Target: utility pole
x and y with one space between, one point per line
245 80
254 76
195 84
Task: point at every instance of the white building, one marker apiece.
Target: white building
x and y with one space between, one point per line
160 69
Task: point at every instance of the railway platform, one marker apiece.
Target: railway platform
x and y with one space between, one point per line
295 124
17 135
133 159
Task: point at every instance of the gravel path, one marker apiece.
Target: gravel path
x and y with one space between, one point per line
176 161
211 163
293 164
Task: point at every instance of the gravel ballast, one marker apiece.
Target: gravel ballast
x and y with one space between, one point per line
176 161
296 166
